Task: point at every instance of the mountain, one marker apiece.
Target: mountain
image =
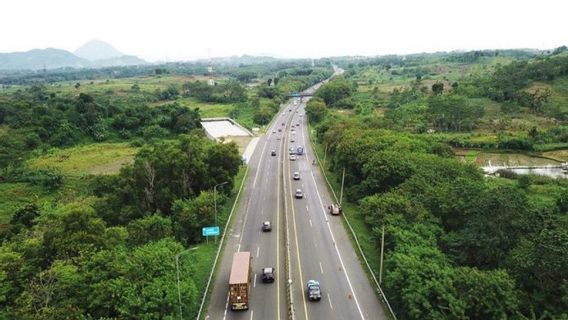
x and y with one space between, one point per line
93 54
36 59
123 60
97 50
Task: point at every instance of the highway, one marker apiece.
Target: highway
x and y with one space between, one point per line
319 246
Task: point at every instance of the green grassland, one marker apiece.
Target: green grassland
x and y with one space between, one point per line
100 158
76 164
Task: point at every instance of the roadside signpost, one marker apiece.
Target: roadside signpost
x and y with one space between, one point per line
209 231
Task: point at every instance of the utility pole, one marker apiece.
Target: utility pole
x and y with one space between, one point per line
324 156
342 182
215 201
382 254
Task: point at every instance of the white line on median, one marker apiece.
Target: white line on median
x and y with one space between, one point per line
257 251
329 299
310 223
254 284
321 268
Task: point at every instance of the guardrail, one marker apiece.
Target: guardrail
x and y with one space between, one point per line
372 273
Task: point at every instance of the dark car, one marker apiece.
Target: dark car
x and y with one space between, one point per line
266 226
273 152
268 274
313 290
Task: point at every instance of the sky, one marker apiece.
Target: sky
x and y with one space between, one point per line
170 30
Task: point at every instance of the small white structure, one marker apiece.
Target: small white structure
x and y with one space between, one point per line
217 128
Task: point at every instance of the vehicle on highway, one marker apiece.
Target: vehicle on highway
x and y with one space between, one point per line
239 281
296 175
335 209
273 131
291 150
292 157
297 124
266 226
282 123
313 290
268 274
299 194
273 153
292 139
279 130
299 150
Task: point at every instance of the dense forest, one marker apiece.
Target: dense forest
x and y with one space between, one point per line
458 245
81 245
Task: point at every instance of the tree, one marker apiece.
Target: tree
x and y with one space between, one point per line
540 264
262 116
494 229
487 294
316 109
166 171
140 283
437 88
335 90
76 232
192 215
149 228
452 112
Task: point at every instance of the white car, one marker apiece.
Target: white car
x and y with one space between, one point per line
292 157
299 194
296 175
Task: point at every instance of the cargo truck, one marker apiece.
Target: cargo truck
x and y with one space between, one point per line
239 281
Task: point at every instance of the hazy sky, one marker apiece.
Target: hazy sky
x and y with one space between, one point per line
186 29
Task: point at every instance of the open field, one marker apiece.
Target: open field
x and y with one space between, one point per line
101 158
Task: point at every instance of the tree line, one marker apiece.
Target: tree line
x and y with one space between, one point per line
458 245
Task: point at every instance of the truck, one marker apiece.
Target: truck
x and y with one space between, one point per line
239 281
313 290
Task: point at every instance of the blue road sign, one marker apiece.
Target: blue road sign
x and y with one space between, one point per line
210 231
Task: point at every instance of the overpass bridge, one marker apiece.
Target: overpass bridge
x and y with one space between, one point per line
299 94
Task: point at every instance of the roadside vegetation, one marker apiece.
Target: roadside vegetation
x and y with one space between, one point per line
106 175
458 245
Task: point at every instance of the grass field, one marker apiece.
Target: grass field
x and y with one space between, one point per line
15 195
100 158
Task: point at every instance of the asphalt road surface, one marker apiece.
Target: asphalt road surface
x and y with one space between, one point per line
319 246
